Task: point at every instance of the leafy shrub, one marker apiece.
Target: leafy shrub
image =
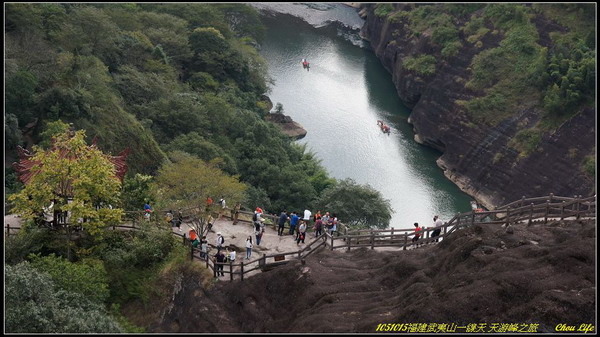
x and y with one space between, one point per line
526 141
88 277
383 9
25 242
487 109
144 249
444 35
400 16
422 64
451 49
589 165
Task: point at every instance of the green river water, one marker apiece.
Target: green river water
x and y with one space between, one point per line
338 101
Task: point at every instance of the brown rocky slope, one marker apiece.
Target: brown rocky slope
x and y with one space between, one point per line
542 274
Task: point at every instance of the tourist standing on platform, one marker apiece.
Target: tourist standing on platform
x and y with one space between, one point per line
318 226
235 213
307 215
219 262
248 248
204 248
232 255
334 222
223 205
259 230
293 222
437 223
220 240
317 215
325 219
147 210
301 232
417 232
283 217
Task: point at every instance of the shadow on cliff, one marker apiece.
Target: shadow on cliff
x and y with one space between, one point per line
543 274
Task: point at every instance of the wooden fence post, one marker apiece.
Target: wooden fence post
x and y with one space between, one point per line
522 202
331 241
230 270
215 267
507 216
348 239
578 203
372 240
547 211
562 211
405 241
263 260
242 271
392 236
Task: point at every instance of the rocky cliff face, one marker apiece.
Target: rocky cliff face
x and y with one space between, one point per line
477 157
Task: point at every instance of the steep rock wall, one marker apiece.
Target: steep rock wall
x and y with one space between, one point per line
477 157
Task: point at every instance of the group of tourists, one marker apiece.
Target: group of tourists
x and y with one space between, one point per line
437 229
319 222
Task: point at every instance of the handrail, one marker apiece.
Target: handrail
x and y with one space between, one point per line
527 209
561 207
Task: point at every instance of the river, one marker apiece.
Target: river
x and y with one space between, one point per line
339 100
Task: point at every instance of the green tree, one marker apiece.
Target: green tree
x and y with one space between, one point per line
187 182
12 133
51 130
136 191
19 96
33 304
75 178
359 206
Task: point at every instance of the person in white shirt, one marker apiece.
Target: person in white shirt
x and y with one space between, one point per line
232 256
301 232
437 223
307 215
220 240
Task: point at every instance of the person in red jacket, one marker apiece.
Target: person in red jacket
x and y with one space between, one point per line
417 232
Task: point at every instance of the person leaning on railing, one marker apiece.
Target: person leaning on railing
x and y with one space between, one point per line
437 223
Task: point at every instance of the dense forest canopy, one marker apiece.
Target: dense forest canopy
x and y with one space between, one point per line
155 78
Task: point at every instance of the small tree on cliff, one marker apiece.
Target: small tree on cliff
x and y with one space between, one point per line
278 108
359 206
77 179
187 182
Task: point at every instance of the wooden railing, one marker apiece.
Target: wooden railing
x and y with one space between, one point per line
263 263
530 210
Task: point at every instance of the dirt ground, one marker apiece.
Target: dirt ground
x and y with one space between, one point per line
483 277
